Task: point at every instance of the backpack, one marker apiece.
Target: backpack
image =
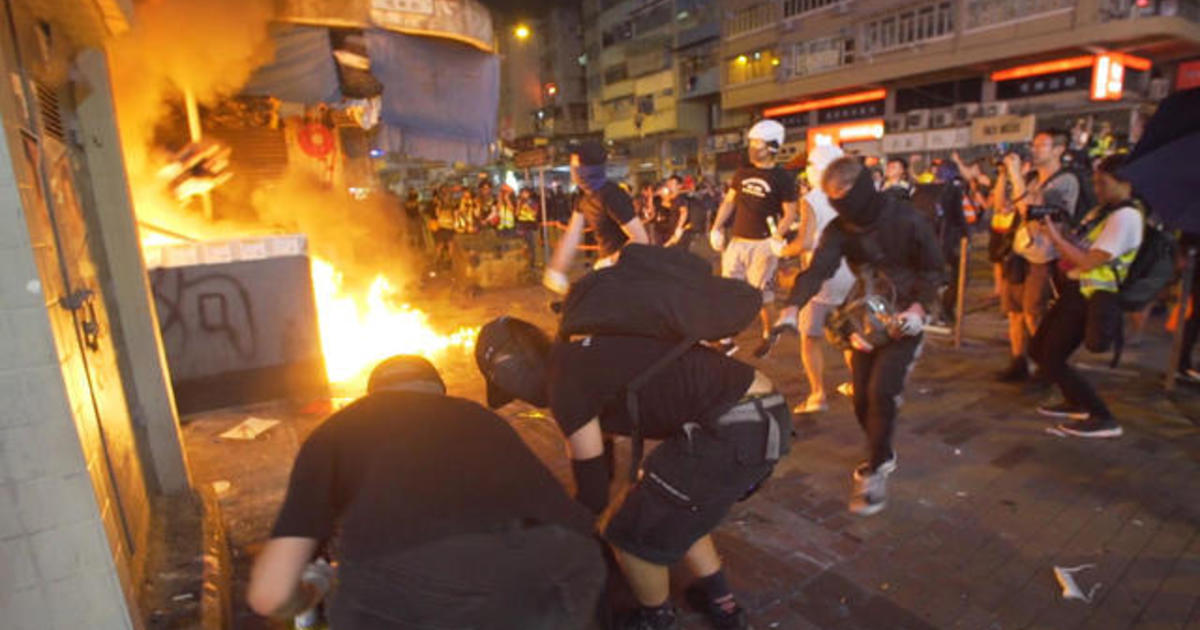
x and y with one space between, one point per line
1087 193
1152 269
658 292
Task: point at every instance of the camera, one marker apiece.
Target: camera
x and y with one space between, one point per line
1054 213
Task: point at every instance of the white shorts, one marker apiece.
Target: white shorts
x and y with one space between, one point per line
813 317
751 260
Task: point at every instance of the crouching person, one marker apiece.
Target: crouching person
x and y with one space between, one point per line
723 428
444 517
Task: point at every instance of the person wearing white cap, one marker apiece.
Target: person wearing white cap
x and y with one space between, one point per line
815 213
762 192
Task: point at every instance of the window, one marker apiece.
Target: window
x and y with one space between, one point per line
751 18
751 66
910 26
986 13
792 8
818 55
616 74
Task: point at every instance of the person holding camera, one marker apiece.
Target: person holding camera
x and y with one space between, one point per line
442 515
893 251
1029 266
1099 254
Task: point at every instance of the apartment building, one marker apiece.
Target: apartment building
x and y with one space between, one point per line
888 76
543 90
653 75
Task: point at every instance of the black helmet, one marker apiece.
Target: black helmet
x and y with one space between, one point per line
511 354
403 368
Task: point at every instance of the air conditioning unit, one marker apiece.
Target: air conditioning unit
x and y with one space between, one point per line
998 108
964 112
941 118
1158 88
917 119
895 124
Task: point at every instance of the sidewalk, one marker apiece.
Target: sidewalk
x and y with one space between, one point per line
985 503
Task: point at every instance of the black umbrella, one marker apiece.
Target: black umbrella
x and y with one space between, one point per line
1164 167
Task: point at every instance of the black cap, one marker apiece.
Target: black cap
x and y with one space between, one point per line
511 354
403 368
591 153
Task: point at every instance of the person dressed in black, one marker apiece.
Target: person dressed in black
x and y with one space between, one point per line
898 261
444 518
604 207
722 427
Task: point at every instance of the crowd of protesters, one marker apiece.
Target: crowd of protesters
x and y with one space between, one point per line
880 245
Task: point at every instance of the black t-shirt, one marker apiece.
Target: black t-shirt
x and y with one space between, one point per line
587 378
397 469
606 211
761 193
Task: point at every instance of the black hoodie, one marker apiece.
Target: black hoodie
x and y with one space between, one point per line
896 242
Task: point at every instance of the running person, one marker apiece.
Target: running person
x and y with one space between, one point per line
761 193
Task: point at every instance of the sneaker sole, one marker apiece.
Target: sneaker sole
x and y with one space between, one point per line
869 510
1103 433
732 351
1071 415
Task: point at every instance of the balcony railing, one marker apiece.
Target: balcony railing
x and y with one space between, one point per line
983 14
815 56
753 18
1132 9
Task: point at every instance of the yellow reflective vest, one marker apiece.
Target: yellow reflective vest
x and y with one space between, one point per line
1108 276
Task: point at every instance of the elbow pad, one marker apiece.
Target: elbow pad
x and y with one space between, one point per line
591 482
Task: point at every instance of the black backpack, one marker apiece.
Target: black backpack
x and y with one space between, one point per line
663 293
1152 269
1087 193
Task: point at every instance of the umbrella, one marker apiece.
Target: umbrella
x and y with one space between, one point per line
1164 167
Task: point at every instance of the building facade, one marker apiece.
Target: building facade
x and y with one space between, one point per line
888 77
653 78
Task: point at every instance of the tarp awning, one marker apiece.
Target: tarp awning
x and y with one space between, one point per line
304 69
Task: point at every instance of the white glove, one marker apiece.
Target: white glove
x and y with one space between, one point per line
909 324
716 238
777 244
556 281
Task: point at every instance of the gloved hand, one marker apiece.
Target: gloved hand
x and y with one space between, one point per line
858 342
716 238
776 244
909 324
556 281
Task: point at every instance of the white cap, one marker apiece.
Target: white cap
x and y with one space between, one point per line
819 158
768 131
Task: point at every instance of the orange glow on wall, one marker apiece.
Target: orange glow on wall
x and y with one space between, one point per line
845 132
824 103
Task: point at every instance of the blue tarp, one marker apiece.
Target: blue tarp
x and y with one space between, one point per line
303 71
439 97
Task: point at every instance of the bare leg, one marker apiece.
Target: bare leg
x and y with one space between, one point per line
766 321
702 559
648 581
997 279
1018 334
813 357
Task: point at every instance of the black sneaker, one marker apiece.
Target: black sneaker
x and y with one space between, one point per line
1064 410
727 348
717 616
641 618
1092 428
1016 372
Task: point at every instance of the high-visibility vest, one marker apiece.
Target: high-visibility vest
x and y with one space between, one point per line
1105 277
526 213
508 218
1002 222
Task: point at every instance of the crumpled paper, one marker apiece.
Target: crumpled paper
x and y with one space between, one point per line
1070 588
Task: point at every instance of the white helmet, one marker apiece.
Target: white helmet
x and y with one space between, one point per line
819 159
769 131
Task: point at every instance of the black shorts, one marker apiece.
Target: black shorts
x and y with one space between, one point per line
687 486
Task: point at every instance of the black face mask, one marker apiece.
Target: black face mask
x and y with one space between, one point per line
861 204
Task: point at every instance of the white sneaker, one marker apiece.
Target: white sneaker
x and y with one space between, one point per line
846 389
869 495
811 405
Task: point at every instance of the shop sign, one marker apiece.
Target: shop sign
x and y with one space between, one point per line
997 129
943 139
904 142
1188 75
532 158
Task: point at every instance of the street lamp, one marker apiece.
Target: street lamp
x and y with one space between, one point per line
521 32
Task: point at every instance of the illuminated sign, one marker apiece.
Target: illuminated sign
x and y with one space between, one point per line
846 132
1106 72
1108 78
825 103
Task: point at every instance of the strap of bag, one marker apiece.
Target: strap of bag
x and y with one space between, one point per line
631 402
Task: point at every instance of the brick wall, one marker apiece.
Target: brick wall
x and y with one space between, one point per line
62 562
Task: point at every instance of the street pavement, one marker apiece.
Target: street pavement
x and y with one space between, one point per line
985 504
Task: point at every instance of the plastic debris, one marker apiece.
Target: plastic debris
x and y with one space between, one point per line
960 494
221 487
183 597
1056 432
249 429
1070 588
958 451
1138 522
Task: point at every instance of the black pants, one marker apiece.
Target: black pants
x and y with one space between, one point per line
1067 325
879 378
540 578
1191 330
